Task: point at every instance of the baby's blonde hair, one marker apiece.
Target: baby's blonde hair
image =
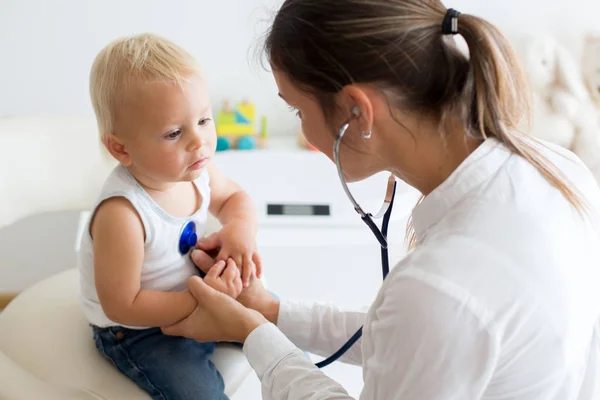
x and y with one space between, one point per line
134 59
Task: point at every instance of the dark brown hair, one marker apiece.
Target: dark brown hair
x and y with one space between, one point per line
398 46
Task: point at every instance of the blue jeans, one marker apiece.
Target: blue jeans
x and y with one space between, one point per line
167 367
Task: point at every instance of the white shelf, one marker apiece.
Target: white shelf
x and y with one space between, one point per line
284 174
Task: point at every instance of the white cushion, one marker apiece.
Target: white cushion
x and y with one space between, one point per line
44 332
18 384
49 163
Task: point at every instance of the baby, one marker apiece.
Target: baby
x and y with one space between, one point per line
154 116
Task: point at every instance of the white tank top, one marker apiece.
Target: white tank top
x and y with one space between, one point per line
164 268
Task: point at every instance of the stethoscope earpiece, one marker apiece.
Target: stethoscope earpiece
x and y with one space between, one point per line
356 114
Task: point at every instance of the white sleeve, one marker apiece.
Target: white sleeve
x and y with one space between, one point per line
428 340
321 329
422 343
284 371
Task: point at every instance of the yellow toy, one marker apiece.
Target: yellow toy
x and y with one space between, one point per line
236 128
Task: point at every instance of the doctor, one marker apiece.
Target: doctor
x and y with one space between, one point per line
499 297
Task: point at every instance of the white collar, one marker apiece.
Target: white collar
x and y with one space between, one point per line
475 169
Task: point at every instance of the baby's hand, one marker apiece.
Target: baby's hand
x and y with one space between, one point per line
225 277
235 241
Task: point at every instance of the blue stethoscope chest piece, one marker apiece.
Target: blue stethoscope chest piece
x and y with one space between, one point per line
187 237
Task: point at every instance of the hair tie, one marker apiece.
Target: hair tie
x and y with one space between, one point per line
450 23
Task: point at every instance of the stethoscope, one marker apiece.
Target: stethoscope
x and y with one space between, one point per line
381 235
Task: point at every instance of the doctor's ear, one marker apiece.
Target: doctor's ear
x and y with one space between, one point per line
357 102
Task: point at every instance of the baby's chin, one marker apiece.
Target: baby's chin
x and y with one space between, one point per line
191 175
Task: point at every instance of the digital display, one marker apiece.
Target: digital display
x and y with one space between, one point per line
299 209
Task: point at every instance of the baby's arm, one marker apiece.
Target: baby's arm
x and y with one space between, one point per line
229 202
235 210
118 235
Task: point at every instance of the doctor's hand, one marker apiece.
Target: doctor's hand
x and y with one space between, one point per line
255 296
217 317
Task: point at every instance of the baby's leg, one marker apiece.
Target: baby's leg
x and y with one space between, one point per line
168 368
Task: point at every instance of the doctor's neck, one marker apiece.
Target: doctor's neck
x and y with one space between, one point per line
422 153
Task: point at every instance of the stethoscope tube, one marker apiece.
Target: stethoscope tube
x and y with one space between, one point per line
381 235
385 269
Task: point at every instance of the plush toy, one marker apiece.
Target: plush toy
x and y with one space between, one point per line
587 142
590 63
557 88
563 112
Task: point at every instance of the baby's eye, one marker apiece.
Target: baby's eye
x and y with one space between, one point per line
204 121
173 135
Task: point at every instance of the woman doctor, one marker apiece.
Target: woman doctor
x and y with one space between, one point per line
499 297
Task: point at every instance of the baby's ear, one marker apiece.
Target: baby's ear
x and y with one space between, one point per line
116 148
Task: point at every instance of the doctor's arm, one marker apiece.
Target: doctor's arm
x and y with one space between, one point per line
318 328
423 344
321 329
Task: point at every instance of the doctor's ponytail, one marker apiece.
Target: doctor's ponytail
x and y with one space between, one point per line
498 98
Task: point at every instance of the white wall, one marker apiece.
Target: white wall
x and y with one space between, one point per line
47 46
567 20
